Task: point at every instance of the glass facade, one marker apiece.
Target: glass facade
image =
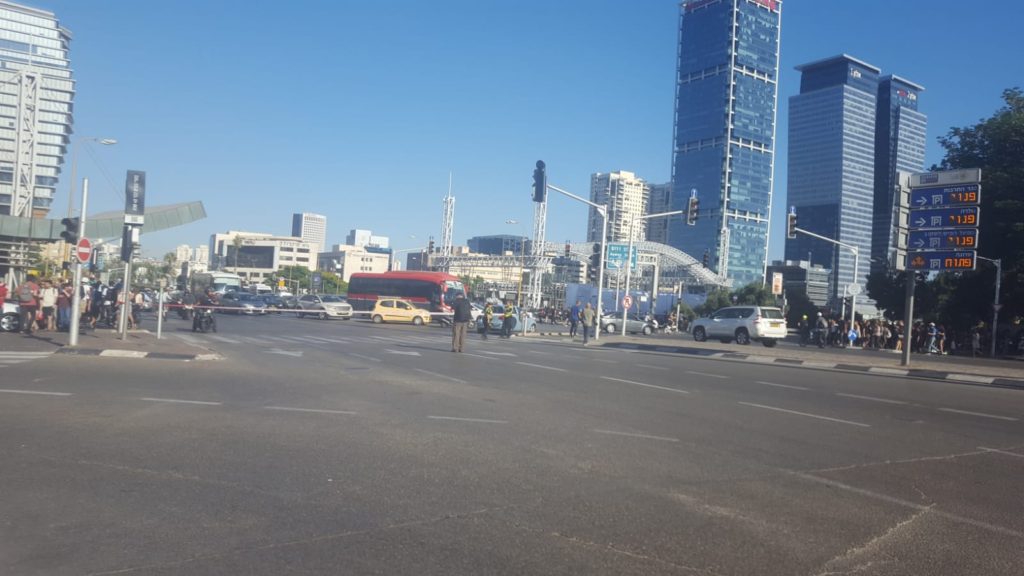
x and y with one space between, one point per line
724 143
831 167
900 133
33 39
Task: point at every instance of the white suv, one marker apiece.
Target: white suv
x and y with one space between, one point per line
743 324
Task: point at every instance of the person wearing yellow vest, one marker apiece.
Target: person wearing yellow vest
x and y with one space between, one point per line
507 317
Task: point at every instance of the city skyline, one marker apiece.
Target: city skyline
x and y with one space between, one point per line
210 155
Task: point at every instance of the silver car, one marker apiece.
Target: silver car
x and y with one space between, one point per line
612 324
324 306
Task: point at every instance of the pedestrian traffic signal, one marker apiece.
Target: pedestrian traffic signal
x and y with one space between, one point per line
707 258
692 210
791 224
540 182
70 233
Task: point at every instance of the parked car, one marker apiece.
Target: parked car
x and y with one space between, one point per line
391 310
612 324
324 306
273 302
742 324
9 319
243 303
497 320
290 302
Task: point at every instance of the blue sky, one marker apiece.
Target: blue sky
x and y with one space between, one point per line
359 110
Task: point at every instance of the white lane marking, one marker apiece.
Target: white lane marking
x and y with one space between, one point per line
806 414
480 420
364 357
176 401
872 398
222 339
645 385
889 371
982 414
476 355
293 353
316 410
543 367
780 385
705 374
278 338
319 339
652 367
539 352
254 340
970 378
114 353
998 451
913 505
498 353
39 392
634 435
403 353
19 354
436 375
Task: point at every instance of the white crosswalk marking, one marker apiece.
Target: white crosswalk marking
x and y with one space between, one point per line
9 358
254 340
222 339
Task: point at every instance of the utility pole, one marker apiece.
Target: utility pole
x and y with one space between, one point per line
603 211
995 303
76 295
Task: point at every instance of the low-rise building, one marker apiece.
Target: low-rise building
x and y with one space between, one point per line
256 256
801 277
345 260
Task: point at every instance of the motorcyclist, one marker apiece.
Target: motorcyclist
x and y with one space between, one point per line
804 329
821 328
206 299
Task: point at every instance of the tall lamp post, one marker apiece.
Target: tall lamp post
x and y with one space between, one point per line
995 303
522 270
74 164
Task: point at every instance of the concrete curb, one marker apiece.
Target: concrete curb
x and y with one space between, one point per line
119 353
793 362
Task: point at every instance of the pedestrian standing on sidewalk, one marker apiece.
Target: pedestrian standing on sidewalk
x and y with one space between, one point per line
27 296
488 315
587 319
48 301
574 319
462 315
64 307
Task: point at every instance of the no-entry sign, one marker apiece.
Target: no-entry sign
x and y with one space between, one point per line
83 250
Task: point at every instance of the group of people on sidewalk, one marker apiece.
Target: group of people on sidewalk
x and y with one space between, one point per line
46 305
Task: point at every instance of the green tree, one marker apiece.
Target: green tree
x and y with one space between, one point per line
717 298
754 294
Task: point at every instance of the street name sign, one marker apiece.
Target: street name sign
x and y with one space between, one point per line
940 261
616 258
952 239
963 217
942 196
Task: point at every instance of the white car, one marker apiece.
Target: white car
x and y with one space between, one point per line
742 324
324 306
9 319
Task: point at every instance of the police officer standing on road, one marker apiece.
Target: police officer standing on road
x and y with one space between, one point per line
462 315
488 314
506 320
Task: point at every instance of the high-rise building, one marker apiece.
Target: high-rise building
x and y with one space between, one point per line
831 167
724 144
900 132
311 228
35 85
626 196
661 201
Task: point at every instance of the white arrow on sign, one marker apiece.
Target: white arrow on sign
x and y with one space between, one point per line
922 201
919 244
920 222
295 353
410 353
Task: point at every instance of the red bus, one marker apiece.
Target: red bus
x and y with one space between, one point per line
434 291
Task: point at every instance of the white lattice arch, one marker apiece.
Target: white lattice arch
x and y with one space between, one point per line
672 261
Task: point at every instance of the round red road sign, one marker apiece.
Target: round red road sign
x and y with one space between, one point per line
627 301
83 250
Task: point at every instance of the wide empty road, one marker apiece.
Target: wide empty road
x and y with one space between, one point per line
351 448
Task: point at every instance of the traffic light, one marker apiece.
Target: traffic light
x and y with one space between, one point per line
70 233
430 246
791 224
540 182
594 265
707 258
692 210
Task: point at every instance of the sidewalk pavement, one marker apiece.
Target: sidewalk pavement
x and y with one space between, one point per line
108 343
885 363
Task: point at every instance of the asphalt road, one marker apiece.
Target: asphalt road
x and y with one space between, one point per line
350 448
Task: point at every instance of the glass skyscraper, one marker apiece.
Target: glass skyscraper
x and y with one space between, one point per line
33 42
832 166
900 132
724 142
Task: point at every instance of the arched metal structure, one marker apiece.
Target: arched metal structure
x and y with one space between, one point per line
673 263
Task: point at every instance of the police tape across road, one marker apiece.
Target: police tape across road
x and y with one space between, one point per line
311 312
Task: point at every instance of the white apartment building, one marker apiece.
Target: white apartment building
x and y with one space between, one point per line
363 238
345 260
256 256
311 228
627 197
183 253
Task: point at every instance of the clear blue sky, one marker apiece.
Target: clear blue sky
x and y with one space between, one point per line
359 110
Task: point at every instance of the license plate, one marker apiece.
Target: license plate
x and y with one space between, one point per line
776 324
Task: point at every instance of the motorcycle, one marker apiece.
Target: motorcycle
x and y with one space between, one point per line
205 321
185 312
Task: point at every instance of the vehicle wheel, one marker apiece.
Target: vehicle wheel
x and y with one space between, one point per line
699 334
610 329
742 337
417 321
9 322
647 330
377 319
532 329
768 343
322 316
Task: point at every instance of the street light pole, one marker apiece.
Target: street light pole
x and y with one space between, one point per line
76 294
74 170
856 263
995 304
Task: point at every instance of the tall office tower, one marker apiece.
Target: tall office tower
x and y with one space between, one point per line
311 228
37 92
626 196
661 197
900 132
831 166
724 146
